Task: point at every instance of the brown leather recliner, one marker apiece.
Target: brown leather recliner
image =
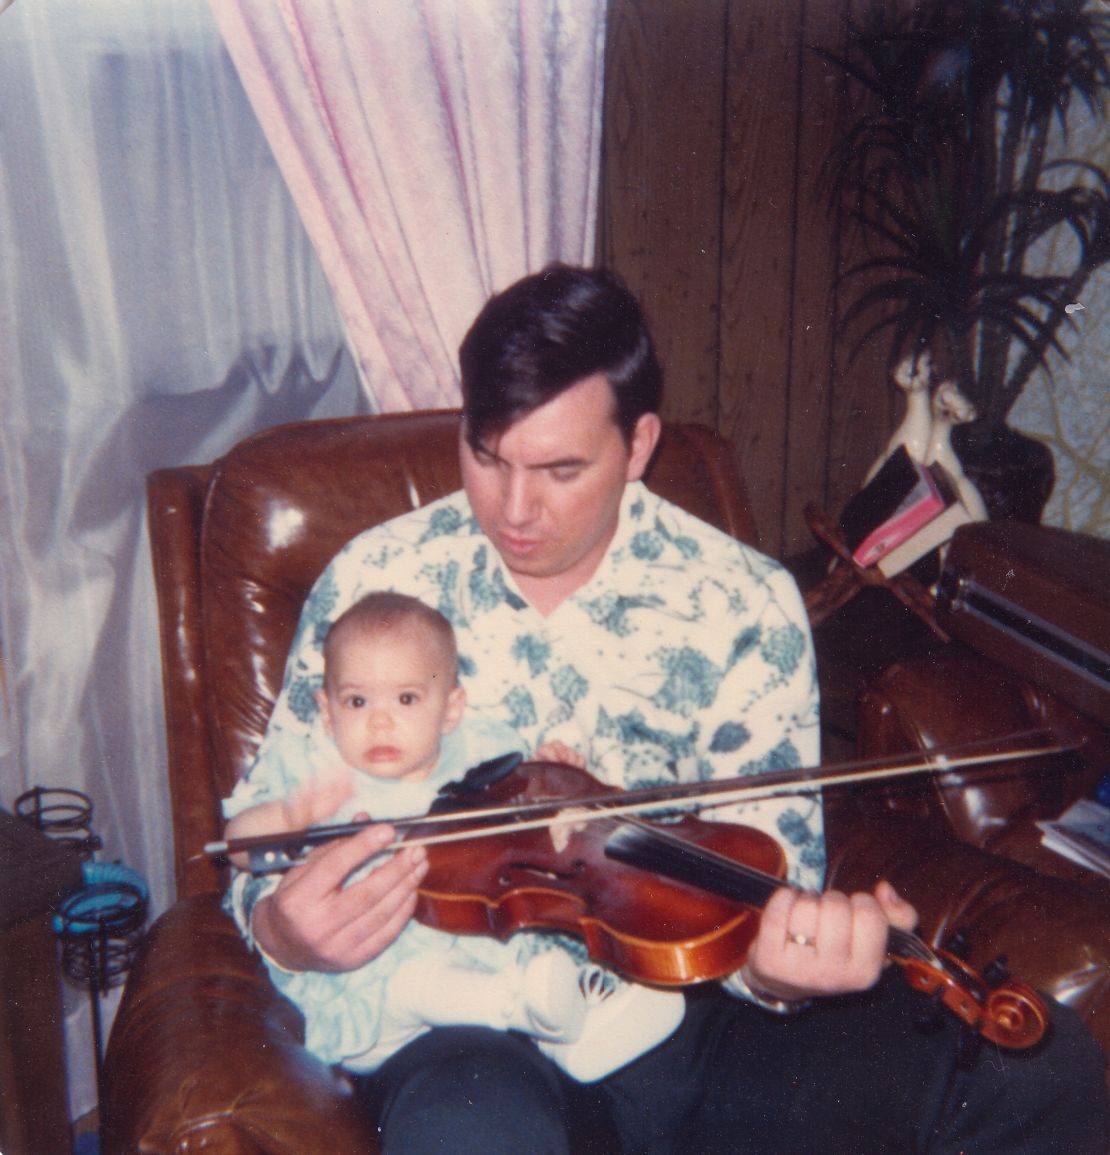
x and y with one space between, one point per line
204 1054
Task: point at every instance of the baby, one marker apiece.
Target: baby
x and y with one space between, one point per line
390 696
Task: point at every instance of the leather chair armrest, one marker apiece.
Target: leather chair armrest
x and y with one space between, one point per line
958 697
1051 935
175 510
205 1054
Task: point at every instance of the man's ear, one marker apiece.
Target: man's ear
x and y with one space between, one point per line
645 437
325 710
452 715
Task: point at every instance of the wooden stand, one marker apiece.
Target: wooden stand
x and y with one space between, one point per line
847 578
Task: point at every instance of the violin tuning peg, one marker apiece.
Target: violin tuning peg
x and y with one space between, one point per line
996 972
956 944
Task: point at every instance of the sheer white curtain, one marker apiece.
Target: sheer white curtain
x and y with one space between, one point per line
437 150
159 300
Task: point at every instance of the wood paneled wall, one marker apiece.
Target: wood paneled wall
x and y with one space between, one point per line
718 116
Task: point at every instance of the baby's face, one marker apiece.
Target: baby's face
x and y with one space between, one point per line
387 703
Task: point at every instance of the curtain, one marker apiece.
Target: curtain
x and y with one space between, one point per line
437 150
159 300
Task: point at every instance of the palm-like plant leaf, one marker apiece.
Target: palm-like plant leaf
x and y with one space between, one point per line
944 174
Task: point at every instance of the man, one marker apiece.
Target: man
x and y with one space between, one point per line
591 613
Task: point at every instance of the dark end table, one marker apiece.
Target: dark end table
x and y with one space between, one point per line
35 875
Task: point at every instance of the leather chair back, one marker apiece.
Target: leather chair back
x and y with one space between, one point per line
236 548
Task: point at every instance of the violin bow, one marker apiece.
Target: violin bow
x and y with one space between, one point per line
281 850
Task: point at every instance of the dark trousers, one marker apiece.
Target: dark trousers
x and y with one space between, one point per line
851 1076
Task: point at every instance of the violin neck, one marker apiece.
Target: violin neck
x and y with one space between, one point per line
652 847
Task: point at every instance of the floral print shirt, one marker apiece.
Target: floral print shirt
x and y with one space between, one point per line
686 657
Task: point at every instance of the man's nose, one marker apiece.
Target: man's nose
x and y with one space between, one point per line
518 497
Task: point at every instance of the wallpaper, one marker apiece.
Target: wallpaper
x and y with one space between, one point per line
1068 410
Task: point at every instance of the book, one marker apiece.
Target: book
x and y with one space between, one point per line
902 497
1081 834
935 533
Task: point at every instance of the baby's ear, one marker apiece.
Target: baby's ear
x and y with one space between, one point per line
452 715
325 710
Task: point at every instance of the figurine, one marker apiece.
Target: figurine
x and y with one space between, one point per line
950 408
914 377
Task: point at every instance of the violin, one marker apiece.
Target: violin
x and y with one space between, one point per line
666 904
545 846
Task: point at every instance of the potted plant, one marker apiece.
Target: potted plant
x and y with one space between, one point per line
947 168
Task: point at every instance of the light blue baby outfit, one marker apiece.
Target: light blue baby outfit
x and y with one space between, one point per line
347 1016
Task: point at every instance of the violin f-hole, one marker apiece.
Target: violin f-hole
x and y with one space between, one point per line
531 870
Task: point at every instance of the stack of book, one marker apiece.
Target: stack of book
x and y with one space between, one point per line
906 510
1082 834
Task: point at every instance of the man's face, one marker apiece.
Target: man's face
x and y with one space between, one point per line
547 491
389 699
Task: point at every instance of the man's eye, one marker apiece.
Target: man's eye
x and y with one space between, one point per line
565 472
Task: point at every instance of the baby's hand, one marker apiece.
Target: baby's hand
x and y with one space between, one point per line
316 801
560 752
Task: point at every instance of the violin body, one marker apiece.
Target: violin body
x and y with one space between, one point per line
646 927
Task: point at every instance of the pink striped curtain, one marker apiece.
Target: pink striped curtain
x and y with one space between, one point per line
437 150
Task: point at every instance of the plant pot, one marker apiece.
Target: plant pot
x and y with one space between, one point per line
1014 473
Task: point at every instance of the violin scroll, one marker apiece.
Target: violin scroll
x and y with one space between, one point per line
1012 1015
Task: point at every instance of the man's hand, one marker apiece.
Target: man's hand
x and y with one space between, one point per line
824 944
313 922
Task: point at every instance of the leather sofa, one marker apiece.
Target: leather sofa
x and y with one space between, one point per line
204 1054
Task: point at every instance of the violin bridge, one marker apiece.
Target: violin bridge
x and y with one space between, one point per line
565 825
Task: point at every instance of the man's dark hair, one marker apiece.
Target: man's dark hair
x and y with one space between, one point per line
546 333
